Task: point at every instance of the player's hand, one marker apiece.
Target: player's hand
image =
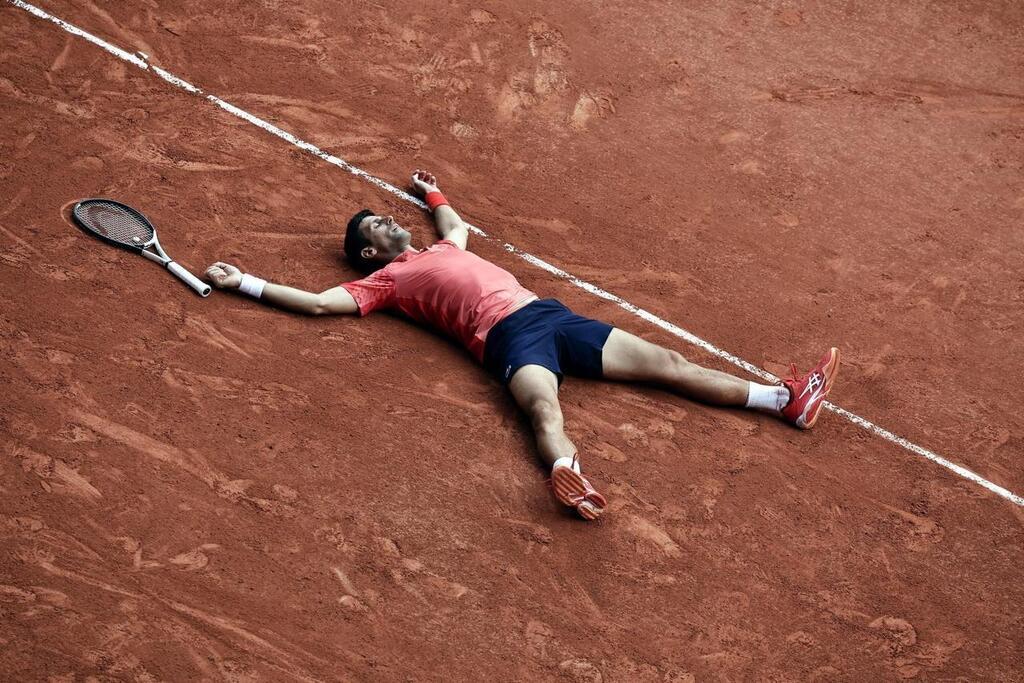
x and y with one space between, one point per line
224 275
424 182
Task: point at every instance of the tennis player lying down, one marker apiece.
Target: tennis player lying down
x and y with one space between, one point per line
527 342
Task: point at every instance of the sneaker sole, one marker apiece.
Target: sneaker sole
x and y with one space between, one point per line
572 490
831 371
589 511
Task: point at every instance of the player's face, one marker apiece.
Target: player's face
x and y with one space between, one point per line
387 238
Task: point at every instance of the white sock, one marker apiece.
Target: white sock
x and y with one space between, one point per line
567 461
767 397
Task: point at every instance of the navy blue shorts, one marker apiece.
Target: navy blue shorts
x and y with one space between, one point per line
548 334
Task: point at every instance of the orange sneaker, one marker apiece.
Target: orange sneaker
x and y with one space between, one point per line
573 490
807 393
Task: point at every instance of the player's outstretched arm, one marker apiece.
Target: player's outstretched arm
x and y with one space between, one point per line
449 225
336 300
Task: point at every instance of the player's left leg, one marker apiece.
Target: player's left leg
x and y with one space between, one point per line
629 358
626 357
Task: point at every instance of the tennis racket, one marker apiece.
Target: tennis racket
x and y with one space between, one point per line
121 225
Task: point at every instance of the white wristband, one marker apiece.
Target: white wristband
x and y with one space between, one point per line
252 285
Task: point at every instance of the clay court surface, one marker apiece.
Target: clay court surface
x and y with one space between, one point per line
209 489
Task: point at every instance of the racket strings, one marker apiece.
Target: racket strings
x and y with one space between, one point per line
116 223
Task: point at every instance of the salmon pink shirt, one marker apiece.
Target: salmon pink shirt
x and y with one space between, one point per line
446 287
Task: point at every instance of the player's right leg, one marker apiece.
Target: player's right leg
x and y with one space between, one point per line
535 389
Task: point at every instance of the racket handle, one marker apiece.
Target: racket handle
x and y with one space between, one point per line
191 280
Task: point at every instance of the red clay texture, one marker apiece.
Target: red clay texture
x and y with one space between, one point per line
207 489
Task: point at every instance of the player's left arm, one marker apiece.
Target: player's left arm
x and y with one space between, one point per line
448 223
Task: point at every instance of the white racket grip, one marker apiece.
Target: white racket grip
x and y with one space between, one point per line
191 280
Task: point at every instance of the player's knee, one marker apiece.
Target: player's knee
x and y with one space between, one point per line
546 415
676 365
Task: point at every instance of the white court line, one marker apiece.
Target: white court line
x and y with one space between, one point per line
529 258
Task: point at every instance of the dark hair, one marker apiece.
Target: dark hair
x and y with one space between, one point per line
355 242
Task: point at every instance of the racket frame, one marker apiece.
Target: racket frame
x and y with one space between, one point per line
160 256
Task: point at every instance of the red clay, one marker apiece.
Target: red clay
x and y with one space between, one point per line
208 489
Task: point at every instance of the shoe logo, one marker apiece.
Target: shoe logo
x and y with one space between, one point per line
814 383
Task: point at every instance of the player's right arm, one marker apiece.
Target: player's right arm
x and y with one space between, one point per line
334 301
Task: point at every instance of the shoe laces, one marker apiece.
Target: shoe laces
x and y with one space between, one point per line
810 382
